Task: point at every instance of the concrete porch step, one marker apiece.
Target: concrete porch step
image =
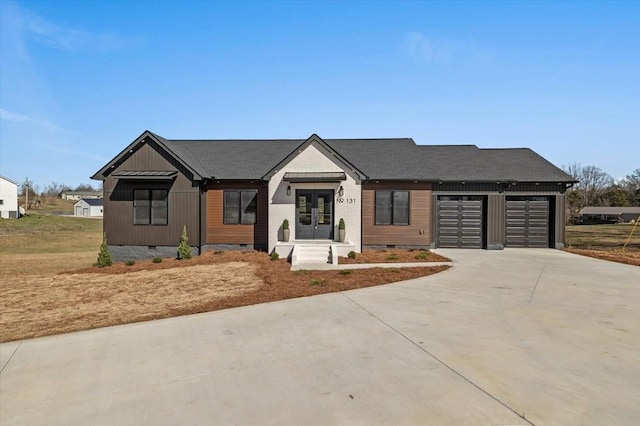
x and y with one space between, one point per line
311 254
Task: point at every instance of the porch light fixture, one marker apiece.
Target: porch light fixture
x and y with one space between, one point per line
341 191
288 189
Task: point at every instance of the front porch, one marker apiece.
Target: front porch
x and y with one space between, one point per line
313 252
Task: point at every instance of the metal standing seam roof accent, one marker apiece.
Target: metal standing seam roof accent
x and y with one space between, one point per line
315 176
145 174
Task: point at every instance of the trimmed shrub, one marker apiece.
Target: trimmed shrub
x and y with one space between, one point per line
184 249
274 255
157 259
130 262
422 255
104 257
351 254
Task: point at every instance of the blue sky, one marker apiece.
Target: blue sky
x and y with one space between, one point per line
80 80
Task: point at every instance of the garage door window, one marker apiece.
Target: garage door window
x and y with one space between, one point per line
392 208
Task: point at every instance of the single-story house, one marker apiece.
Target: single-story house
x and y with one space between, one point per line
88 207
77 195
609 214
390 193
8 198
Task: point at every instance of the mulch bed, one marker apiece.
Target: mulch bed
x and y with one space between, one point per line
394 256
280 282
629 257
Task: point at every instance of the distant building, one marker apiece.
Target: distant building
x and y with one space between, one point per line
8 198
77 195
88 207
609 214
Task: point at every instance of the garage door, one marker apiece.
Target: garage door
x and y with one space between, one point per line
527 222
459 221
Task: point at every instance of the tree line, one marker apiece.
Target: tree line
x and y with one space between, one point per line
597 188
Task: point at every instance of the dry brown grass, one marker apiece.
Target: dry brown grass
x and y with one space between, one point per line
38 305
12 265
52 304
605 242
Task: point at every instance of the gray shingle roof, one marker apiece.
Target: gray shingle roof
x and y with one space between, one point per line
384 159
610 210
233 159
93 201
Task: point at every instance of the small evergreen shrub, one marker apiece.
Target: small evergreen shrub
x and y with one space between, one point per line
341 224
318 282
104 257
157 259
345 272
130 262
274 256
184 249
351 254
285 224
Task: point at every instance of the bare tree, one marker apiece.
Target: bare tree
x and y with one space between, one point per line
631 184
593 182
85 187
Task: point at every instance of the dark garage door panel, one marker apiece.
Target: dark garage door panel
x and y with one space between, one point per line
460 223
527 222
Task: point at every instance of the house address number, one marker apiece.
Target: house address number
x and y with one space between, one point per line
341 200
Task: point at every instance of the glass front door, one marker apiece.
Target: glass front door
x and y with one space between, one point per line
314 214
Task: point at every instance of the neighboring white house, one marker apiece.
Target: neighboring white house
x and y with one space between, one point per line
8 198
77 195
88 207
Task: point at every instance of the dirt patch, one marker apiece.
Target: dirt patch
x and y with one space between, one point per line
394 256
628 257
39 305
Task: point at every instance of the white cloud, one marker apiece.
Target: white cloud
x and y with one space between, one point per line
13 116
423 49
73 153
64 37
16 117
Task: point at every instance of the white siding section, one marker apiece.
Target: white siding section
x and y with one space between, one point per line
9 197
282 206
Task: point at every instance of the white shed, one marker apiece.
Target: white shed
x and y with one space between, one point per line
88 207
8 198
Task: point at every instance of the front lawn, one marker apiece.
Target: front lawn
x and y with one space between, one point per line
52 303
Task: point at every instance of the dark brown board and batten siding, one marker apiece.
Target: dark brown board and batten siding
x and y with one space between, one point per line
182 201
398 235
251 235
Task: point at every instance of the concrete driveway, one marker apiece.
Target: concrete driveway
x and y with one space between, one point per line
504 337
